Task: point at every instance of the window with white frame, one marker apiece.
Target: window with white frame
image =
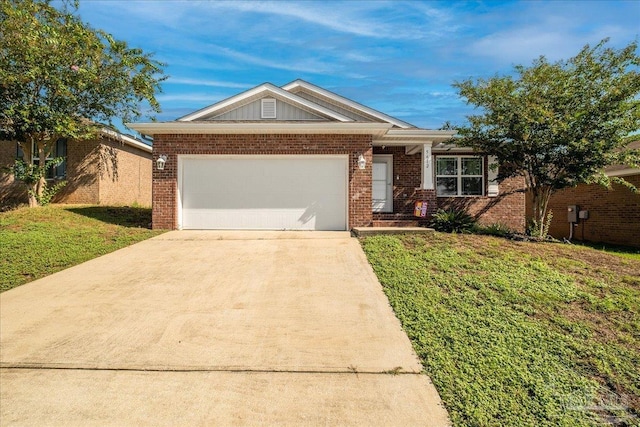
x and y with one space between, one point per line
60 150
459 176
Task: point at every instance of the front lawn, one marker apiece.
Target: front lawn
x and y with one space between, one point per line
518 334
39 241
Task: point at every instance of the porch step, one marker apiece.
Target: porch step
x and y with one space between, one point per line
372 231
396 223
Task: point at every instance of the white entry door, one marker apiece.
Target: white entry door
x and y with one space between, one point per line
263 192
382 192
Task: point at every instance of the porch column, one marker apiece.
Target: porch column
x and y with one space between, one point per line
427 167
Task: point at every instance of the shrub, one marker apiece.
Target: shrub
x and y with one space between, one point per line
452 221
30 174
48 191
540 231
497 229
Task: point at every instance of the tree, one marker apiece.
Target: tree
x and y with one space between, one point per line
558 124
60 78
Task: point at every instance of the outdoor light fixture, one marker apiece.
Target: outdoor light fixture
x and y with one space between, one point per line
362 162
162 159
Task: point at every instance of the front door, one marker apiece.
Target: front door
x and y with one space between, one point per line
382 193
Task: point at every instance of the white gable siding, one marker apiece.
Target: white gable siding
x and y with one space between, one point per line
344 111
253 111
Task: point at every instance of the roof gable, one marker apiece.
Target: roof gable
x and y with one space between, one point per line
252 111
297 106
340 103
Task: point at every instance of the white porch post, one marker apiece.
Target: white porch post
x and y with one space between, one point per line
427 167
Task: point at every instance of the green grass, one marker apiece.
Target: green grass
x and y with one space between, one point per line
39 241
518 334
623 251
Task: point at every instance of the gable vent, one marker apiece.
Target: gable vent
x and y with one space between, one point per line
268 108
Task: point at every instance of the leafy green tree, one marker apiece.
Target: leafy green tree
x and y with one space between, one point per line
60 78
558 124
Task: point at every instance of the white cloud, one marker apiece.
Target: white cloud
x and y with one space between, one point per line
358 57
189 97
557 30
366 19
315 13
211 83
523 45
309 65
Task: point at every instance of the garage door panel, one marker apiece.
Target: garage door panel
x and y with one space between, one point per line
306 192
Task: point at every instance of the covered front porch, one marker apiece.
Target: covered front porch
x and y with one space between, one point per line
404 173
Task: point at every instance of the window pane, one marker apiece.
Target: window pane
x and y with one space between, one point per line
447 186
472 186
471 166
446 166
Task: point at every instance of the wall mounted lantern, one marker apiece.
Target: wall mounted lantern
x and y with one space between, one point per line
362 162
162 159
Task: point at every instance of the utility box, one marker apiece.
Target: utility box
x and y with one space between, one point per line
583 214
572 213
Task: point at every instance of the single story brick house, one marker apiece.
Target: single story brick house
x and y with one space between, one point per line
113 169
304 158
613 213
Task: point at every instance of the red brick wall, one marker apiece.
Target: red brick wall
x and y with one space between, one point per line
508 208
614 214
406 181
165 182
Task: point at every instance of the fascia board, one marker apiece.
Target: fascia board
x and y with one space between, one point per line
623 172
177 127
126 139
269 88
348 102
421 133
450 148
414 137
398 142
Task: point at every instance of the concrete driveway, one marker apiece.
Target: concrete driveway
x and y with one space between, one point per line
212 328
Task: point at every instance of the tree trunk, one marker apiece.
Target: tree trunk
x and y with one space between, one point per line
541 196
42 182
37 189
33 202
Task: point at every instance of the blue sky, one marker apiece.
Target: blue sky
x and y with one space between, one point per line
397 57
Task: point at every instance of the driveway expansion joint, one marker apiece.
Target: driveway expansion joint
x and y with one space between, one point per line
212 369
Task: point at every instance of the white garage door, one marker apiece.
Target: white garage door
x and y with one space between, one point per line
263 192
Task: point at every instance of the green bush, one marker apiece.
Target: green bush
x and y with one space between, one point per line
48 191
497 229
540 231
453 221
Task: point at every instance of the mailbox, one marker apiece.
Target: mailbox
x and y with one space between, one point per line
572 213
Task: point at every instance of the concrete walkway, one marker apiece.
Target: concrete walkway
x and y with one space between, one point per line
212 328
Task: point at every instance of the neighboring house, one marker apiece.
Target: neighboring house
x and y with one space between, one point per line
302 157
113 169
613 213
